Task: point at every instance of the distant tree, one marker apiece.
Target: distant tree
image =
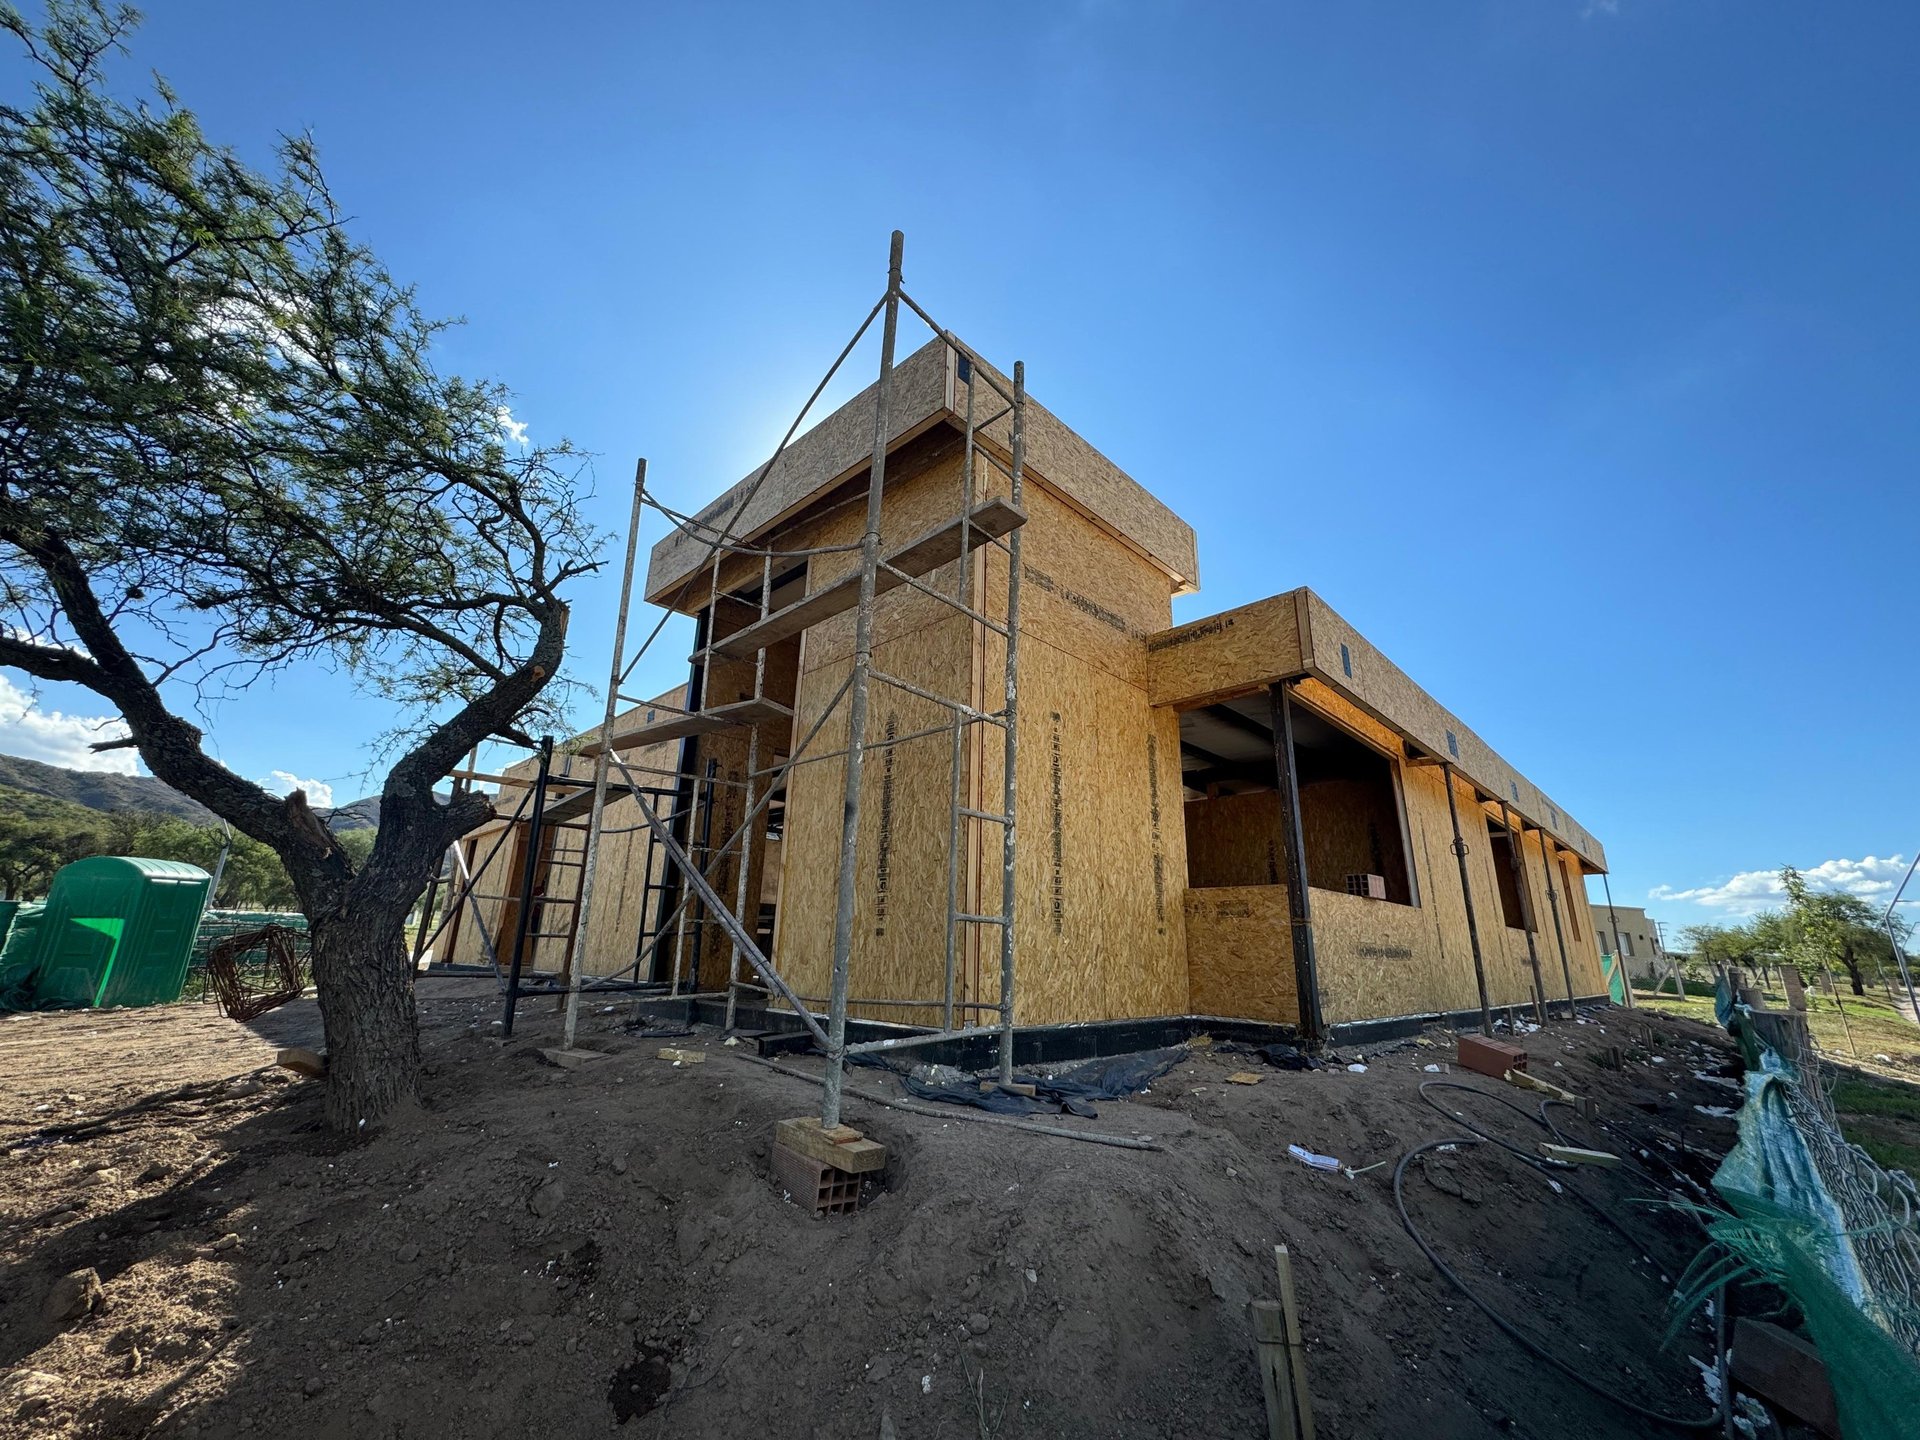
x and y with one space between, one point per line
1716 946
1833 929
224 449
33 848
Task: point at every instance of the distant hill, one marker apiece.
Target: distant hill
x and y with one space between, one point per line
97 790
100 791
31 805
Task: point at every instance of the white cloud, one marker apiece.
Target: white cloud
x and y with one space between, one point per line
514 430
285 782
59 739
1872 878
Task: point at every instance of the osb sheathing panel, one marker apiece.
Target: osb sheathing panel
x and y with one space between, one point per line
1381 687
1102 850
926 393
901 887
1099 933
920 494
1240 953
1379 959
1234 840
1102 493
1225 654
1101 846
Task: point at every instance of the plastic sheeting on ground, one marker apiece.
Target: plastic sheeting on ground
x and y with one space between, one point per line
1074 1091
1790 1228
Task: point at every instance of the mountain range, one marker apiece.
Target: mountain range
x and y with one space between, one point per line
98 790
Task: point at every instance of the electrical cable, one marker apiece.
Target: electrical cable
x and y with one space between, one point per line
1711 1422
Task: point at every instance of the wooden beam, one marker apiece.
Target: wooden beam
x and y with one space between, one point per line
700 722
1234 720
917 557
841 1147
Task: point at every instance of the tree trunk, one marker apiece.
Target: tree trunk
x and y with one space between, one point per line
361 968
1852 962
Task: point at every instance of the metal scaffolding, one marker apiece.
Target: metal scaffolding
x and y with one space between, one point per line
667 811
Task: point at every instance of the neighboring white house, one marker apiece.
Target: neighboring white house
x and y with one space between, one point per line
1631 935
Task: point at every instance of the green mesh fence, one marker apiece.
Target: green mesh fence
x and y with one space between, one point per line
1820 1219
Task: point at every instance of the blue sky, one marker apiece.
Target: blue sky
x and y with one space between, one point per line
1566 347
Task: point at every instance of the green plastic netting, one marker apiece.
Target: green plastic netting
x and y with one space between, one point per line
1818 1218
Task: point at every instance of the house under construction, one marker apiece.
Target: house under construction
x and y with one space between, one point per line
1061 807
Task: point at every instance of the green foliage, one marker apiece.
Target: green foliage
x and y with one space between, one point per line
226 434
228 450
41 835
38 835
1818 932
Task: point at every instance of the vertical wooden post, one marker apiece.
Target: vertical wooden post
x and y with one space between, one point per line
1296 1344
1276 1374
1306 970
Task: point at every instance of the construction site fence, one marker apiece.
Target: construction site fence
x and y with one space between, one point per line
1820 1219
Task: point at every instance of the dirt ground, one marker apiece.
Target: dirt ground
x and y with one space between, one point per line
601 1250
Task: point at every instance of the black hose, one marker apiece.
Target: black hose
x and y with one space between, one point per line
1507 1328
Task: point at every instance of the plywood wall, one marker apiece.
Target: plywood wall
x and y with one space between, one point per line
1227 654
1376 958
1240 953
1102 853
1234 840
1101 848
614 924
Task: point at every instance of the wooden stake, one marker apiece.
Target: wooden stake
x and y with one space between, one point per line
1276 1378
1296 1345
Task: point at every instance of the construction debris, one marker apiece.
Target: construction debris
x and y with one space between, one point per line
840 1146
302 1061
1573 1155
1529 1082
572 1059
1490 1057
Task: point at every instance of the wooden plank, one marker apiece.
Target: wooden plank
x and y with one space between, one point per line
1276 1375
805 1137
1296 1343
1573 1155
917 557
1529 1082
700 722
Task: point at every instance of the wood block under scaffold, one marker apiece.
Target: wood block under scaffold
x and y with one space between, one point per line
842 1147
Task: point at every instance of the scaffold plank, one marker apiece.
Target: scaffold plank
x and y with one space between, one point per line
991 521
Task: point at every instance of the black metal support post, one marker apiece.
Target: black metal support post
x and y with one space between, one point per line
527 874
1306 969
1466 892
1517 862
1626 982
1553 903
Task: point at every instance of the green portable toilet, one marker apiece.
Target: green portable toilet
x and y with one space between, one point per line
118 930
